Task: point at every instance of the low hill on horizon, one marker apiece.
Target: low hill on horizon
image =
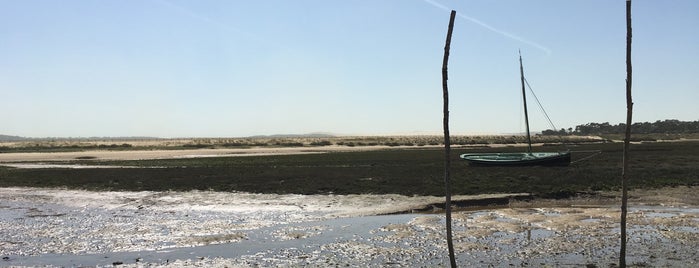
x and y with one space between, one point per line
11 138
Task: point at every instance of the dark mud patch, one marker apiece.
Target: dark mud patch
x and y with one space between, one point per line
468 204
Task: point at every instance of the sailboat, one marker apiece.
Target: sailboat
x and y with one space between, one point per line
527 158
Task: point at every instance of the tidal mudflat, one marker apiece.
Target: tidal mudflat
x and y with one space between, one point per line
54 227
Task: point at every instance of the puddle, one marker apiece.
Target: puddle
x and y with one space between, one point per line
688 229
660 214
41 165
316 239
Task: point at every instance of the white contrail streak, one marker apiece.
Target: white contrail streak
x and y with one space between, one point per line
491 28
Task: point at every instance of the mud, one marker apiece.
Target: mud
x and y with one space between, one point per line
52 227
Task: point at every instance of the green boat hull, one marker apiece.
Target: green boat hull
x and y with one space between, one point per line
518 159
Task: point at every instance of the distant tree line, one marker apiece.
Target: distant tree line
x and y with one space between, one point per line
669 126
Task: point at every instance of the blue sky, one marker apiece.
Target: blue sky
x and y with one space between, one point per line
175 68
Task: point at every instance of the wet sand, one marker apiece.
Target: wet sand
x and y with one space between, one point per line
199 228
165 154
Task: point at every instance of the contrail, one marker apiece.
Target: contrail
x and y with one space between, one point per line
491 28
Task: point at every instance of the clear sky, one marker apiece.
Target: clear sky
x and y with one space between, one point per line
184 68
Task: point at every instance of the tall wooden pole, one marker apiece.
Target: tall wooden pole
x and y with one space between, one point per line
447 142
627 139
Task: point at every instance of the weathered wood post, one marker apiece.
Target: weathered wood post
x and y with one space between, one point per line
447 142
627 139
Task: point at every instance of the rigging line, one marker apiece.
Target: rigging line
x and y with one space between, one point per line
540 106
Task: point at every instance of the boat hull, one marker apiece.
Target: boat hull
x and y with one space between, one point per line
518 159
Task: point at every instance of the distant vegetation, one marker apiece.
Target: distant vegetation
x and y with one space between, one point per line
670 126
586 133
269 141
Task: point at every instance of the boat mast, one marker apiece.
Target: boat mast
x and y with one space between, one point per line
524 97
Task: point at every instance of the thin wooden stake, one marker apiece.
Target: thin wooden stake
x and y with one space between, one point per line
627 139
447 142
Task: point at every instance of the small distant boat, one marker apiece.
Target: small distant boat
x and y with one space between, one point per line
527 158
